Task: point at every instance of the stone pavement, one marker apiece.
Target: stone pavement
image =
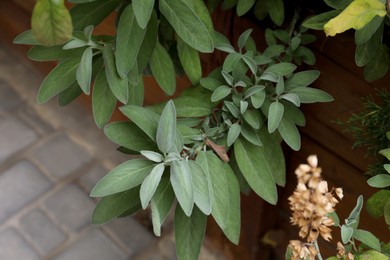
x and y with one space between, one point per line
47 168
50 158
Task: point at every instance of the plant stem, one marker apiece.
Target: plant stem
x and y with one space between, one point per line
319 256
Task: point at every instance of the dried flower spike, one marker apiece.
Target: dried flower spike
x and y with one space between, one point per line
311 202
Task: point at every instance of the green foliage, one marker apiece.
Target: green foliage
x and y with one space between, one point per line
368 128
368 19
217 138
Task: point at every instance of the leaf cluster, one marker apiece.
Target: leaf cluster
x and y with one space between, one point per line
220 137
370 247
369 19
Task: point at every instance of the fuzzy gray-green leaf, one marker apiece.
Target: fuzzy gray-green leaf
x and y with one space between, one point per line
202 188
189 233
143 10
187 24
126 176
256 169
182 185
103 100
60 78
84 71
128 41
117 84
275 115
166 130
163 70
115 205
161 204
150 184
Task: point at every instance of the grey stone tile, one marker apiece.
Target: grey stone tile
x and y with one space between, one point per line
71 206
20 185
9 99
30 116
14 136
89 179
43 233
13 247
61 156
132 234
95 245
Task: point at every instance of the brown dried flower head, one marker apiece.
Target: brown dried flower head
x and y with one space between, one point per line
302 250
311 202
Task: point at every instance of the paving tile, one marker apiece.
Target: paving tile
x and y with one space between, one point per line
61 156
89 179
20 185
71 206
30 116
95 245
9 99
43 233
132 234
14 247
14 136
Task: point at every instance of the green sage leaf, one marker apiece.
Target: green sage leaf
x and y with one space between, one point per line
161 204
378 65
84 71
311 95
346 233
376 203
256 169
150 184
253 118
117 84
143 10
60 78
166 130
182 185
275 115
367 238
187 24
163 70
128 41
290 134
148 44
202 188
115 205
233 224
103 101
189 233
144 118
301 79
212 166
379 181
243 6
26 37
129 136
92 13
190 60
125 176
53 53
233 133
275 10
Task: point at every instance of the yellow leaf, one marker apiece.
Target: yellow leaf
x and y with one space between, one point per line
51 22
356 15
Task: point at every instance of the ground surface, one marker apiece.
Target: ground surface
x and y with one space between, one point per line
50 158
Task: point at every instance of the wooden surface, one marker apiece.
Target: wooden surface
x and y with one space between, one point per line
342 166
